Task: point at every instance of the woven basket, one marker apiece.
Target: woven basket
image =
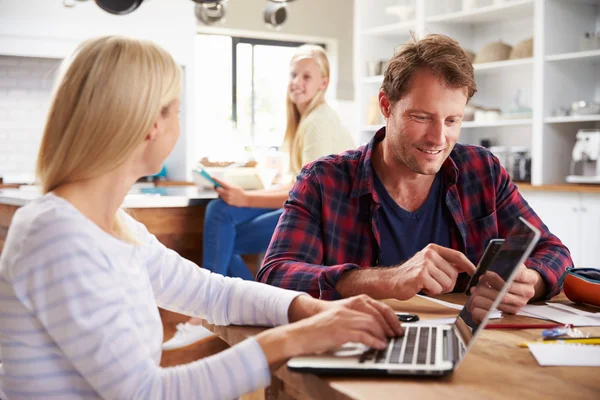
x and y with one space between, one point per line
495 51
523 49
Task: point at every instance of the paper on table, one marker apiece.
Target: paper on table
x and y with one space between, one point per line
495 315
442 302
574 310
560 316
560 354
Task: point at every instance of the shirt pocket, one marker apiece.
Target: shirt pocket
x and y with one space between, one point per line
479 232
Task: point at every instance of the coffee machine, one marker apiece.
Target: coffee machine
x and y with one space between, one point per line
585 158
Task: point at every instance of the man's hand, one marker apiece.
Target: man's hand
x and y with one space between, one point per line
232 194
528 284
432 270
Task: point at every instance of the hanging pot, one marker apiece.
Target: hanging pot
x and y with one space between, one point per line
119 7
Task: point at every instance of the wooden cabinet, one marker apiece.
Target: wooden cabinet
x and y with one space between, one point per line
574 218
590 230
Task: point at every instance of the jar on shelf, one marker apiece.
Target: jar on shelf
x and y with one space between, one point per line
520 164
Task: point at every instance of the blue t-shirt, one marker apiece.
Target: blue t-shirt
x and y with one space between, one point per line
404 233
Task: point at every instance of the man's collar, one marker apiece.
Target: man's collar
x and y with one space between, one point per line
363 180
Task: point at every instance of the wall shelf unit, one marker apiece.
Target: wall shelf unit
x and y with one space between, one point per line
498 123
503 11
502 65
592 55
572 118
562 70
390 30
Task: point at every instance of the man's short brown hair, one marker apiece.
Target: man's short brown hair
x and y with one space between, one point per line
438 53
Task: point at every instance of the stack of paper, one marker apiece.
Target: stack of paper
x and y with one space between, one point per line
562 354
561 313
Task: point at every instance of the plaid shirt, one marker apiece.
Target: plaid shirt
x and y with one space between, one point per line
329 224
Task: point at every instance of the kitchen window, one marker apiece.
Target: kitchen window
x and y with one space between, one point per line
241 86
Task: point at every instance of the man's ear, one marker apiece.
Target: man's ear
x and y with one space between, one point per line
384 104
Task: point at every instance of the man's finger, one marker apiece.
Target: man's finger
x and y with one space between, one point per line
524 290
431 286
493 280
438 273
526 276
456 258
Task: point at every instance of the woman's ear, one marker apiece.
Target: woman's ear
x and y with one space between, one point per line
324 84
152 133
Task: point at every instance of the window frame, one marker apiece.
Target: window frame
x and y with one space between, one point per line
253 42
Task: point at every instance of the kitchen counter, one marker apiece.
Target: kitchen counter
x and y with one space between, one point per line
157 197
563 187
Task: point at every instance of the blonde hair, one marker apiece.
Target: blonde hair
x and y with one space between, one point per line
103 106
292 141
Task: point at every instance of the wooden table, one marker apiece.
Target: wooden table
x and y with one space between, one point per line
495 368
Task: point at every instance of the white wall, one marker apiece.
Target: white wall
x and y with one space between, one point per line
25 88
45 28
324 18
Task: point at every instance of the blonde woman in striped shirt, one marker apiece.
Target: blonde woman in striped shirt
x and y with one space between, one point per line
80 280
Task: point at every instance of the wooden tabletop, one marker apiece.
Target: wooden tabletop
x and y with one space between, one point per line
495 368
563 187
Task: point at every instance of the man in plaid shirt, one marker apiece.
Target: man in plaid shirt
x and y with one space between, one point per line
412 210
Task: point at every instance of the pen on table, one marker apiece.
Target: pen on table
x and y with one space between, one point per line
525 326
588 341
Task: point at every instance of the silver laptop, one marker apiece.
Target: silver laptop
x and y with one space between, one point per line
428 350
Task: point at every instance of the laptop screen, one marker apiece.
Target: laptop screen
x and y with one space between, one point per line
499 274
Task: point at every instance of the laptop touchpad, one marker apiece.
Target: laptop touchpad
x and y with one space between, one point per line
350 349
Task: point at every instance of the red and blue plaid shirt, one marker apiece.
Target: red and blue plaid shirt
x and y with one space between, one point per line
329 224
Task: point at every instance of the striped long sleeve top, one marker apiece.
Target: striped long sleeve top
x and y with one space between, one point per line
79 317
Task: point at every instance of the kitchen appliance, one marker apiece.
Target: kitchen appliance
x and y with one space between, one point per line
515 160
585 158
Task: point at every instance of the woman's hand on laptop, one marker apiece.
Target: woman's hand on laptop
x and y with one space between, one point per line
357 319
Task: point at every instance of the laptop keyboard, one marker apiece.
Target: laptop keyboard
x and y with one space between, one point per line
417 346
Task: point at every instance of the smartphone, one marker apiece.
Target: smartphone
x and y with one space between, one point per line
203 173
490 252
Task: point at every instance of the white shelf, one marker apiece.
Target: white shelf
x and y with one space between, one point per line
593 55
371 128
499 123
398 29
498 65
551 76
572 118
373 79
513 9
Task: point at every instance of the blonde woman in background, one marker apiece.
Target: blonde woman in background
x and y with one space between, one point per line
242 221
80 280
